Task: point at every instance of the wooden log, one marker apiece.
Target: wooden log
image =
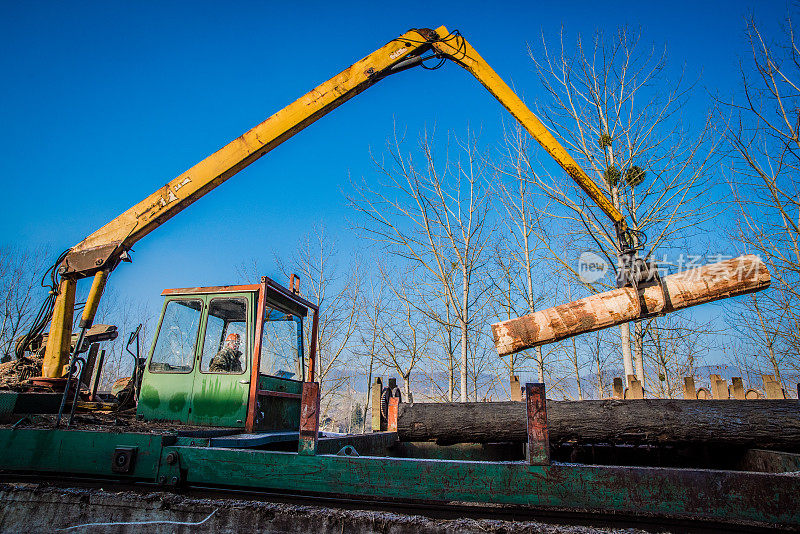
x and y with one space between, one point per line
377 388
763 423
738 388
619 389
689 391
719 388
772 388
635 389
745 274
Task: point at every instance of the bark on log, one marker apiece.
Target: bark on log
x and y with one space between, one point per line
762 423
745 274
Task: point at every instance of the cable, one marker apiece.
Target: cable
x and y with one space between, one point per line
45 311
165 522
461 48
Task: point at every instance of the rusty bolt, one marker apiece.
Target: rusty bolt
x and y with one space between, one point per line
172 458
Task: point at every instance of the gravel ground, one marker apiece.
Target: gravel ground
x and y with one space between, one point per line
43 508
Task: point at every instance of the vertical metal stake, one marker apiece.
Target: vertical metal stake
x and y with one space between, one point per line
538 436
309 419
391 415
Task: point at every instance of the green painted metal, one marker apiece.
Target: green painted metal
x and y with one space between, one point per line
78 452
221 399
763 498
164 396
278 414
8 400
197 397
306 447
14 404
711 495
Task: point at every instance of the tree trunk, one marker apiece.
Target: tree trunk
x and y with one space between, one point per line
625 341
600 389
407 387
638 351
464 331
624 329
463 361
745 274
451 381
540 364
760 423
369 390
577 369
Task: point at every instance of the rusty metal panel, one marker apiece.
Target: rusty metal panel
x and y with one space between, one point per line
538 435
210 289
391 415
309 419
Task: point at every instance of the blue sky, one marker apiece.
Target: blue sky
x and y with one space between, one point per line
105 102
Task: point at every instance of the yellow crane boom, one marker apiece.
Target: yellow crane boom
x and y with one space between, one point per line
102 251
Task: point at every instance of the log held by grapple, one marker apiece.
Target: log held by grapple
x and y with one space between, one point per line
729 278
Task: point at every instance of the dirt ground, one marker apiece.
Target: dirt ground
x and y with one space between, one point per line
42 508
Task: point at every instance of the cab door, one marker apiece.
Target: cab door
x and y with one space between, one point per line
281 373
222 377
169 376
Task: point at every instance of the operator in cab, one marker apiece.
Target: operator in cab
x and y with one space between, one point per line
229 359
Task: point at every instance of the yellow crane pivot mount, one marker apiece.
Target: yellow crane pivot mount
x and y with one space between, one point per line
102 251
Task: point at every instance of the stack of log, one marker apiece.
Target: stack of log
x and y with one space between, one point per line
769 423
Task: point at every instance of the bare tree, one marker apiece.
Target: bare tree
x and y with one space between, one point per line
432 214
126 314
763 133
374 311
336 291
406 334
517 196
21 272
675 346
611 105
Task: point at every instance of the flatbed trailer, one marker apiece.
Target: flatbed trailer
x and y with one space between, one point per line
376 468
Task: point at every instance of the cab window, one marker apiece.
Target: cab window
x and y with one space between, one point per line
175 346
280 345
225 343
